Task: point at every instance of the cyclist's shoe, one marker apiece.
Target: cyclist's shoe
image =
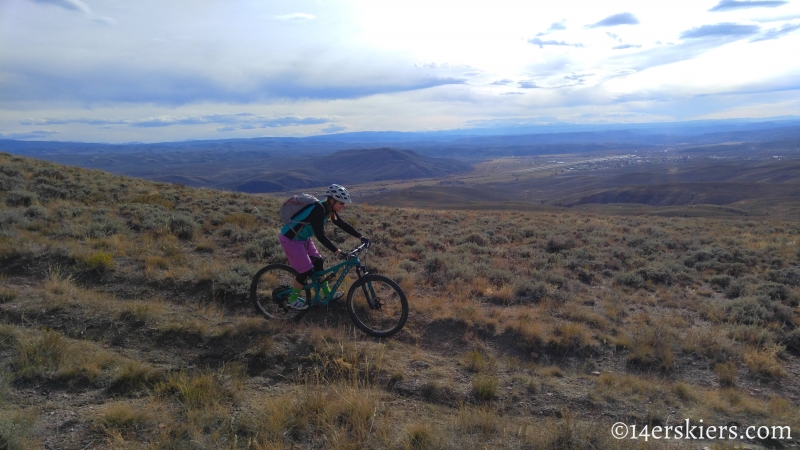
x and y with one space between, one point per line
298 304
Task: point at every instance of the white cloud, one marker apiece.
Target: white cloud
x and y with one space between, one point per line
245 69
295 17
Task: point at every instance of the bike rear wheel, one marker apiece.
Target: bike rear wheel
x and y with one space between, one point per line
270 289
377 305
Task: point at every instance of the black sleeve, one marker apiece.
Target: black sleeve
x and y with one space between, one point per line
317 219
346 227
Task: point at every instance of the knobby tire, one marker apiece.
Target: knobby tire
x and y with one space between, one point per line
269 290
392 310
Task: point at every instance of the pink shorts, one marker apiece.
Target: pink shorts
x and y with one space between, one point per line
299 253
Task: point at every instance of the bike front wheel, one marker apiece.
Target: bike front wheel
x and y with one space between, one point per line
270 289
377 305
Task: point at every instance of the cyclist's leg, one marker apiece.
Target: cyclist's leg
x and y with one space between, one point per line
319 266
299 260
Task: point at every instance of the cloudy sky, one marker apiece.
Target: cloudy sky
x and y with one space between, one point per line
149 71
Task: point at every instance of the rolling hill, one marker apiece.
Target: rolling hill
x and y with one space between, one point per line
353 166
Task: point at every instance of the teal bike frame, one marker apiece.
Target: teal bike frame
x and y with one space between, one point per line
353 262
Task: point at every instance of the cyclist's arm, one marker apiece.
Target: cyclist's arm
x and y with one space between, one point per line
346 227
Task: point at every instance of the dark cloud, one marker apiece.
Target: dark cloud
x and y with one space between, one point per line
775 33
554 27
726 5
720 29
625 18
528 85
541 43
624 46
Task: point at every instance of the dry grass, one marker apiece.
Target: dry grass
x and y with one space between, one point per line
511 313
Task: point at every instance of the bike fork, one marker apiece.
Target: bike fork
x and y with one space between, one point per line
366 287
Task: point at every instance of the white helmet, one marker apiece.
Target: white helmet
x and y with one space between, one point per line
338 193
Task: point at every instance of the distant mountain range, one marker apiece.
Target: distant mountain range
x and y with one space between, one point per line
281 164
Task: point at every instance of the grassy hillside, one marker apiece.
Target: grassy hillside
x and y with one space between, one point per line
124 324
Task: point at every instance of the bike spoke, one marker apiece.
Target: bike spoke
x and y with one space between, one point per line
378 306
271 288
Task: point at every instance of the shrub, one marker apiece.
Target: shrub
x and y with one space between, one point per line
556 244
726 373
484 387
12 217
133 376
21 198
630 279
656 274
183 226
529 291
242 220
785 276
17 430
235 282
9 182
7 295
420 436
764 362
49 192
104 226
475 361
262 248
721 281
758 310
100 262
35 212
791 339
736 290
775 291
152 199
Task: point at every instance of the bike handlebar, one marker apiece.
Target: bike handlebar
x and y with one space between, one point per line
364 245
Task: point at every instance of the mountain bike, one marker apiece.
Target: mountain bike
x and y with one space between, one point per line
375 303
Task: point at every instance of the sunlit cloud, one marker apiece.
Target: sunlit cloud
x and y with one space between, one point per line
555 26
625 46
625 18
720 29
295 17
541 43
727 5
775 33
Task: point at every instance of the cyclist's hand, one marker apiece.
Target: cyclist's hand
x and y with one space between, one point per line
365 240
344 256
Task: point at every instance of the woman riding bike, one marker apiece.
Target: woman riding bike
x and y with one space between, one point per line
300 249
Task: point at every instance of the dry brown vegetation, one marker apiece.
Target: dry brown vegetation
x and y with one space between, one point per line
124 323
